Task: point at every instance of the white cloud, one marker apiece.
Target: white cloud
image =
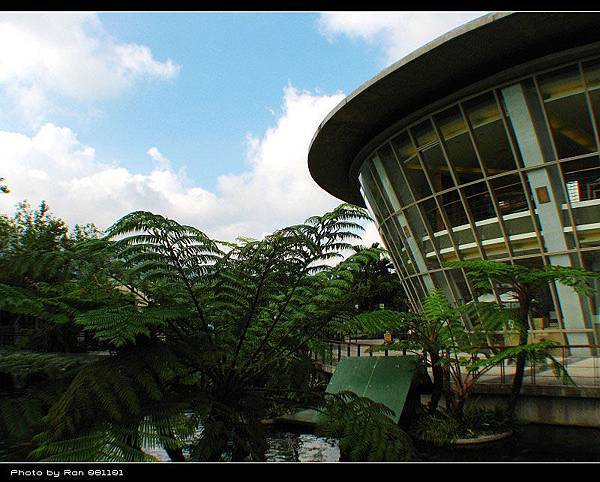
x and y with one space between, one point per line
162 162
398 33
68 54
371 235
275 191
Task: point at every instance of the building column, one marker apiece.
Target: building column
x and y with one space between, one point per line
549 209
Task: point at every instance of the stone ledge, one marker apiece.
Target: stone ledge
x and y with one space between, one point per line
539 390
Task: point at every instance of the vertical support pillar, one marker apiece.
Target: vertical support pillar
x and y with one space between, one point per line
549 213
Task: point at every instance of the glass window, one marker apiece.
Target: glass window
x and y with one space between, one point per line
489 133
518 220
386 186
582 183
560 83
379 192
440 282
416 224
460 285
454 209
372 194
543 311
458 144
582 179
479 201
392 169
393 245
591 71
396 233
432 215
411 166
492 241
567 111
509 194
373 212
437 168
419 287
424 134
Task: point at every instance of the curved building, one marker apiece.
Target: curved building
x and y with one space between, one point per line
482 144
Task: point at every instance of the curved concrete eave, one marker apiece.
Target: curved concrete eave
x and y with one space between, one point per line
466 55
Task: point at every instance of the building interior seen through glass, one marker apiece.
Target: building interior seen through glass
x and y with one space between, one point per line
465 183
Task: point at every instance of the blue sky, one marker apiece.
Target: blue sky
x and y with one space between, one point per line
234 70
204 117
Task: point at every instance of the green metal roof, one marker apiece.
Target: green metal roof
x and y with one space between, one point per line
385 380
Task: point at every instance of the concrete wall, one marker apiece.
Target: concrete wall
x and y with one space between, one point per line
548 405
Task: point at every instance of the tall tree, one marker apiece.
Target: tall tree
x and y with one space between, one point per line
377 284
43 265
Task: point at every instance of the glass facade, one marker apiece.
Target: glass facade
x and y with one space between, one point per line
512 174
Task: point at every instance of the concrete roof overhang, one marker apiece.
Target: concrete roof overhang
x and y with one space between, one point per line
477 55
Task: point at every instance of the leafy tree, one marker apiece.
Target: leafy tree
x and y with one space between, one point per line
3 187
47 276
202 335
526 283
377 283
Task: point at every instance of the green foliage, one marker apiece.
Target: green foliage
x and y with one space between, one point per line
364 429
50 365
220 331
539 354
459 356
525 283
121 325
377 283
48 276
441 428
164 427
101 445
520 277
114 389
437 428
31 382
20 417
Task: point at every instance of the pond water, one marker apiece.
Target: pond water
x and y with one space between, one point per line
286 446
529 444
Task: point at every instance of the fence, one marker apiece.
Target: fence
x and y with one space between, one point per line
584 371
10 337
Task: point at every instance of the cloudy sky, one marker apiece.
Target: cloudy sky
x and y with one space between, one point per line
203 117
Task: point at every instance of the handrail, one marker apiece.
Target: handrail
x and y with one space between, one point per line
583 369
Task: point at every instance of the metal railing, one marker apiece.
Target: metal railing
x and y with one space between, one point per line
10 337
583 370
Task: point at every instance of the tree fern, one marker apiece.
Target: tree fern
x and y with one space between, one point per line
364 429
220 330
